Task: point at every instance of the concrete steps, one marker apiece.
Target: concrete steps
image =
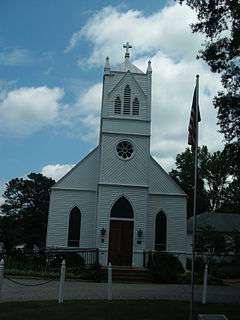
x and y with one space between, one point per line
127 274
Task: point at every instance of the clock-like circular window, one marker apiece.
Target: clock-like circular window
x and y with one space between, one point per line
125 149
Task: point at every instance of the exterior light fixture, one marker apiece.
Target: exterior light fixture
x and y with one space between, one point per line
139 236
103 233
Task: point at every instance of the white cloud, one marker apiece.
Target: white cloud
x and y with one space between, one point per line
83 118
90 100
166 38
56 171
172 92
28 109
167 30
15 57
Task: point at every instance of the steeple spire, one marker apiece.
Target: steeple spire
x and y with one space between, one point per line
127 46
149 68
107 66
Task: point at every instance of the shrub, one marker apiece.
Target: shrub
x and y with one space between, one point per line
226 271
198 279
73 261
165 267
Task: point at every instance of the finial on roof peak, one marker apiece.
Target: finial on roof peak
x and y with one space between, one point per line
127 46
149 68
107 66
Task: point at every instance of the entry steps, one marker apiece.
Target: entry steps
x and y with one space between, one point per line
127 274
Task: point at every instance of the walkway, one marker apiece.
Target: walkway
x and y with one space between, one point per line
89 290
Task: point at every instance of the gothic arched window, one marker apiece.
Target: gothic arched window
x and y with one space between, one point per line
74 228
135 107
161 232
122 209
117 106
127 100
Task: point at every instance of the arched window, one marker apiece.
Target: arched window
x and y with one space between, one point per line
127 100
122 209
117 106
161 232
135 107
74 228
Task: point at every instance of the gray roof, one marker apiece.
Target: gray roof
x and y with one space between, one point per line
128 66
221 222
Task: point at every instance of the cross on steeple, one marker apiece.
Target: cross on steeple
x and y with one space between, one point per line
127 46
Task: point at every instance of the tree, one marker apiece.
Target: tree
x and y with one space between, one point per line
25 210
231 198
184 176
213 180
208 240
215 173
219 21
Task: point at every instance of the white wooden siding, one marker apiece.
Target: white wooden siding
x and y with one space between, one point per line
83 175
175 209
61 203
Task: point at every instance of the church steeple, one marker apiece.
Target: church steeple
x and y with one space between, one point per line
126 96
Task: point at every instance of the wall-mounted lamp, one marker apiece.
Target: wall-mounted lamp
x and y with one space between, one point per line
103 233
139 236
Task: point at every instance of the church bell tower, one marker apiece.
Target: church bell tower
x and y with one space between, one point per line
125 123
124 160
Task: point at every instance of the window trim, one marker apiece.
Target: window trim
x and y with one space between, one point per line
163 244
70 242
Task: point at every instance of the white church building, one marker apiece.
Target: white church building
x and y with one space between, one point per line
118 199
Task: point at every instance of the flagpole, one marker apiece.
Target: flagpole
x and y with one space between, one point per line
194 200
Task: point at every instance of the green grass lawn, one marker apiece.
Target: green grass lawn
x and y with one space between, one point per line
117 310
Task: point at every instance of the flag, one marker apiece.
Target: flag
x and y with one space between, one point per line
192 128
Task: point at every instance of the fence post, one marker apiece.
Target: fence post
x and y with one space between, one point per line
1 275
61 283
109 281
204 296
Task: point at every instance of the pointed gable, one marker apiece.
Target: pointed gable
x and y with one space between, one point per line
160 181
128 78
83 175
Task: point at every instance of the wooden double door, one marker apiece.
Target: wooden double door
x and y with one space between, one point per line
120 242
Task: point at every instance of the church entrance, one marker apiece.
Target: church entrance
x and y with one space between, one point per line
121 233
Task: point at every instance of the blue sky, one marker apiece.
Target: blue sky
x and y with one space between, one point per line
51 62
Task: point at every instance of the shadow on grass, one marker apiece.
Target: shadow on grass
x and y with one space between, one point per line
116 310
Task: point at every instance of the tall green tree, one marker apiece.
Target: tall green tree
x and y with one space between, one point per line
25 210
215 173
231 195
213 179
184 176
219 21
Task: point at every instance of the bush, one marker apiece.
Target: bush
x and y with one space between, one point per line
226 271
198 279
73 261
165 267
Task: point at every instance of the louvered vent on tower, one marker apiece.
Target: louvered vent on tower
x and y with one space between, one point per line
117 106
135 107
127 100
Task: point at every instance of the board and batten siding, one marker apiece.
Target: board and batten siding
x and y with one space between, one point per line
61 203
108 195
160 181
113 169
175 209
130 126
84 175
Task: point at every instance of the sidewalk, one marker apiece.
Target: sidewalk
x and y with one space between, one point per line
89 290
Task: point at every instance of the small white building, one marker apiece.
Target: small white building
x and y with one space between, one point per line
118 199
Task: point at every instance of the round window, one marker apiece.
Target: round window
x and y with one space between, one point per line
125 149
